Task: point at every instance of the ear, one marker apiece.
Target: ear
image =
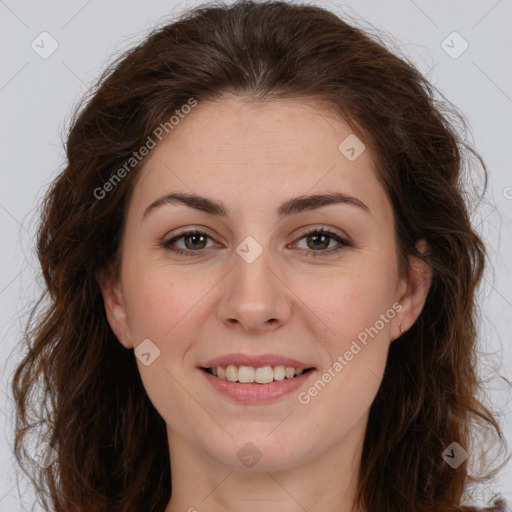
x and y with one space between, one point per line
413 290
113 300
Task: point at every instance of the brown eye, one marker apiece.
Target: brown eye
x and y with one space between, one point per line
318 240
194 242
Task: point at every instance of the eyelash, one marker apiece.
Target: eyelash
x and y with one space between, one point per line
313 254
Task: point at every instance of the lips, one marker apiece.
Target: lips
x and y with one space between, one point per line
255 361
254 393
287 375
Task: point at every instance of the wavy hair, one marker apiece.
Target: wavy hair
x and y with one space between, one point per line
111 443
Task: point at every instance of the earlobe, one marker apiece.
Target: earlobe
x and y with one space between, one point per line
416 288
113 300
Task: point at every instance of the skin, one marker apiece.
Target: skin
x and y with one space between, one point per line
253 157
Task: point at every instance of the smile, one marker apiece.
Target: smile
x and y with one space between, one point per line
251 391
261 375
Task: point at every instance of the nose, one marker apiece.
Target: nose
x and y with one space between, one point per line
255 296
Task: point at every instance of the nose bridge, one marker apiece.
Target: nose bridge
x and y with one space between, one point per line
252 275
254 295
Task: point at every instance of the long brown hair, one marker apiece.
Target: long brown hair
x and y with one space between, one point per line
111 444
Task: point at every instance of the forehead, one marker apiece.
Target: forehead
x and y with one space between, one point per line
260 152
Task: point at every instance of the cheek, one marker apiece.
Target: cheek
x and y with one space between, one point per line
160 300
356 346
161 304
351 301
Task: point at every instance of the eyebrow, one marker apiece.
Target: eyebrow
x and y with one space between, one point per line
290 207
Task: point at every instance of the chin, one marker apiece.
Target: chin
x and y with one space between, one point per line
261 452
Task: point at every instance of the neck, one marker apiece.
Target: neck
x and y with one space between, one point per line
326 482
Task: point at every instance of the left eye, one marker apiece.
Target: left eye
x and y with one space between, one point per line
323 237
320 237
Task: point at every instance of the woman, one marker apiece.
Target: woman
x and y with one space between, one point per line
268 373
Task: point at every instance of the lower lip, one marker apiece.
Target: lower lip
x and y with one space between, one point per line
256 393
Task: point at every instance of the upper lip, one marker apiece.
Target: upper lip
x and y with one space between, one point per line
256 361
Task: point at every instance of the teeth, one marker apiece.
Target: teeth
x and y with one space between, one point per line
279 372
261 375
232 373
245 374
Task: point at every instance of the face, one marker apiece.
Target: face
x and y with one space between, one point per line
261 282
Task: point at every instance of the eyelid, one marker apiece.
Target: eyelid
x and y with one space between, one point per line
197 229
322 228
303 231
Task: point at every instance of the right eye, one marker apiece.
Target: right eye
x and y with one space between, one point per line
196 237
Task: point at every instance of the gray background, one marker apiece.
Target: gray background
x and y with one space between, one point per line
37 96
